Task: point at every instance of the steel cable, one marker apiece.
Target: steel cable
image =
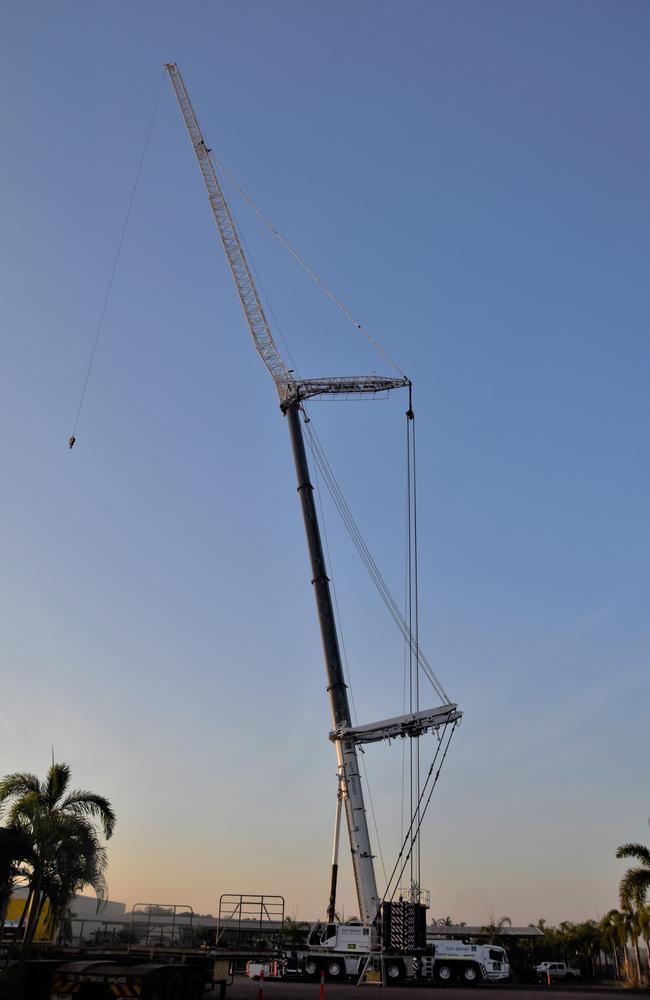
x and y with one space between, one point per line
115 263
369 562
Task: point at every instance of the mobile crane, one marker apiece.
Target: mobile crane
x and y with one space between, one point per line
292 392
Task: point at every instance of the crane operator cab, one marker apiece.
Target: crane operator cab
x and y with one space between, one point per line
340 937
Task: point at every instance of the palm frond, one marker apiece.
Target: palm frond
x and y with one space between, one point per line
56 782
90 804
18 784
638 851
23 809
634 887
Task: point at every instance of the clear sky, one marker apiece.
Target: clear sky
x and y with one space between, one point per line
472 179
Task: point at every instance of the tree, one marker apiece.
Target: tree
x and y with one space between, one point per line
614 936
494 929
15 849
59 823
635 884
293 932
633 890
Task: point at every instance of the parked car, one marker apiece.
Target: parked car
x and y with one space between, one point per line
556 970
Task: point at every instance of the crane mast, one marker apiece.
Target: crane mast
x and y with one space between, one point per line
291 393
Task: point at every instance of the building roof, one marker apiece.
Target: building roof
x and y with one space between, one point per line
467 931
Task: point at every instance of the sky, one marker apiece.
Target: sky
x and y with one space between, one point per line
471 179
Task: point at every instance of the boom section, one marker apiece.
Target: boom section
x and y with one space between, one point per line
346 752
253 310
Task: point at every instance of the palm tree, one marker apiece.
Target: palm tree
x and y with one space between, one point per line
494 929
15 849
633 890
66 853
635 883
643 916
612 935
293 932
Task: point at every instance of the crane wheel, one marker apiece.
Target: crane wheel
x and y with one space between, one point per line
394 972
444 973
471 974
335 969
312 968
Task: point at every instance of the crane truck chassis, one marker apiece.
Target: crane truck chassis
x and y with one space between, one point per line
344 951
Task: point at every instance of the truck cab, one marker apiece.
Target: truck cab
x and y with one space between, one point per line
353 938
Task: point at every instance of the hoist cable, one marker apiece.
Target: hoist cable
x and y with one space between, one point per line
371 566
416 602
409 616
407 837
115 263
312 274
369 562
422 810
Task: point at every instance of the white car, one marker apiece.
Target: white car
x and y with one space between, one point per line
557 970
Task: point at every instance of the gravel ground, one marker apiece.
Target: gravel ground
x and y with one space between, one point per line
247 989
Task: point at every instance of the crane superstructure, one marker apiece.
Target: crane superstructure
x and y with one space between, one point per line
292 391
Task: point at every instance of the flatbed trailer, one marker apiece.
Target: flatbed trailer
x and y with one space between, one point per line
101 973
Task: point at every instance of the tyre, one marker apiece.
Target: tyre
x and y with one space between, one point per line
152 988
335 969
471 974
394 971
195 987
311 968
444 973
174 987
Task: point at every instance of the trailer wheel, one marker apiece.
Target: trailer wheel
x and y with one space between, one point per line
152 988
174 987
195 988
394 972
311 968
445 973
471 974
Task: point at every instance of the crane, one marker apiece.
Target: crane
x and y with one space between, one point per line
292 392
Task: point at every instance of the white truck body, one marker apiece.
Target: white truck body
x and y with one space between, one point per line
465 962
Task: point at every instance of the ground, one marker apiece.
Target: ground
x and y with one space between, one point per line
247 989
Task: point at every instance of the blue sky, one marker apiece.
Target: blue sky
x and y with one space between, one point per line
471 178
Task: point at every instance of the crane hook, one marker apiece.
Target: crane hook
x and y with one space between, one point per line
71 441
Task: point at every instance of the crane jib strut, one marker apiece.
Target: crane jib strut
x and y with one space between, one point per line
292 390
